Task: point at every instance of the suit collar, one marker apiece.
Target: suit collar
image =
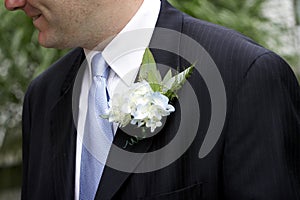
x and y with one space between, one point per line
74 60
112 179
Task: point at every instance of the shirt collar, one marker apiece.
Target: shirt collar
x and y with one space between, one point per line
125 52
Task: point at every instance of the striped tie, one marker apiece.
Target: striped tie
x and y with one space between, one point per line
98 132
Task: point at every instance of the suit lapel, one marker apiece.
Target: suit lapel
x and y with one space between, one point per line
63 133
113 179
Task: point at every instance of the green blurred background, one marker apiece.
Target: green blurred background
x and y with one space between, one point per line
272 23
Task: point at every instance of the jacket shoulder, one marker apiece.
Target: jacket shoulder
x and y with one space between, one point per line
216 38
47 88
234 54
59 72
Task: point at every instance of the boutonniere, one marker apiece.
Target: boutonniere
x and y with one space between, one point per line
147 101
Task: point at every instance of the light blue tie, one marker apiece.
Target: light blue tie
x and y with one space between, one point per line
98 132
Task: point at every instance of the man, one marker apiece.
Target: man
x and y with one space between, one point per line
257 155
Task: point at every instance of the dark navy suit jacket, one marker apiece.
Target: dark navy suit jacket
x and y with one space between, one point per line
256 157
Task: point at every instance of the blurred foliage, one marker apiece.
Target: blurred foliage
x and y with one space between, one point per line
22 58
297 11
245 17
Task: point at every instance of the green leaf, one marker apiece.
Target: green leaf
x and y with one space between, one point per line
171 95
155 87
167 77
148 57
148 69
153 75
177 81
169 85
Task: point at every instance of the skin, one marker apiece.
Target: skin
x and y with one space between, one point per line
76 23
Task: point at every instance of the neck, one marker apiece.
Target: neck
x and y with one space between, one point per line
108 22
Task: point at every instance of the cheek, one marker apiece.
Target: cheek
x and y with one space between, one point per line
67 23
63 28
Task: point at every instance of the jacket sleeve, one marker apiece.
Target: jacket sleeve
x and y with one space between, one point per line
262 145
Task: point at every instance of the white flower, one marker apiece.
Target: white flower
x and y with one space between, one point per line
117 111
139 105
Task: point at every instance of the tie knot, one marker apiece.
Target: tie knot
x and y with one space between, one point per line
99 66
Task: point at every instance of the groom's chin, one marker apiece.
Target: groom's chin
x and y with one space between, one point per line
48 40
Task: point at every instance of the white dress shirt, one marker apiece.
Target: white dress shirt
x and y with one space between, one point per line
124 55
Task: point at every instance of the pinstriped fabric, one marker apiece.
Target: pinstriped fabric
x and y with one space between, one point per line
255 150
256 157
259 121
